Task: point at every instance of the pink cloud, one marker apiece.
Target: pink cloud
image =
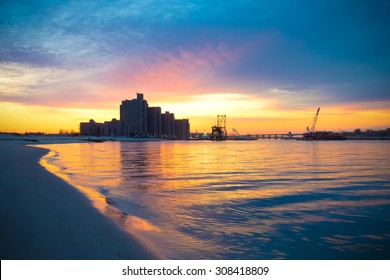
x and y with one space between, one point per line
166 76
183 71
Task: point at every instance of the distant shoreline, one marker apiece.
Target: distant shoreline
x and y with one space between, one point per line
54 139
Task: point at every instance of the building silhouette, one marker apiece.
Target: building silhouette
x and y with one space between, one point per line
154 122
91 128
113 128
182 129
137 119
134 116
168 125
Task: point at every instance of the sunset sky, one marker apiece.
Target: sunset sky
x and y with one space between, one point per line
267 65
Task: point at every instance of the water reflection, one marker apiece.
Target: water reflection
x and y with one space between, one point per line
95 170
240 200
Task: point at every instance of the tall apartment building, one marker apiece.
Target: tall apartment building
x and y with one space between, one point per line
154 122
137 119
182 129
134 116
167 125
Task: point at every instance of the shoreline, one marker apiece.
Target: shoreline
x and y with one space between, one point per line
44 217
55 139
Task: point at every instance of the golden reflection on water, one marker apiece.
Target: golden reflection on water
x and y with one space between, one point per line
204 195
81 165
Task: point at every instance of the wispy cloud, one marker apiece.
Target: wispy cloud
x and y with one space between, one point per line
95 53
180 71
46 86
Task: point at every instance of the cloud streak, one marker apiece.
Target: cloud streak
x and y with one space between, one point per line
299 54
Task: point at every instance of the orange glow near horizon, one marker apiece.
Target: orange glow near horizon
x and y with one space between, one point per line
264 78
247 114
21 118
182 83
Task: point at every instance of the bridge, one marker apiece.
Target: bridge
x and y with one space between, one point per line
283 136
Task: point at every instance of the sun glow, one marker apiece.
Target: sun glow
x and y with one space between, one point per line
210 105
21 118
247 114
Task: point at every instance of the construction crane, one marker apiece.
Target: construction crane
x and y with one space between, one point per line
311 134
313 125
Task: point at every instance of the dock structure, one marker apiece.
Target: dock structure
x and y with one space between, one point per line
282 136
218 132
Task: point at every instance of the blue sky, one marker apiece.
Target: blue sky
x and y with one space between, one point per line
293 54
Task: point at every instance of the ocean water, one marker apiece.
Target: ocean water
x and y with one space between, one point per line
265 199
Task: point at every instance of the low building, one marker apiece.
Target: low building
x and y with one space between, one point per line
182 129
113 128
91 128
154 122
168 125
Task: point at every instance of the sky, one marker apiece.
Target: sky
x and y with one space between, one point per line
267 65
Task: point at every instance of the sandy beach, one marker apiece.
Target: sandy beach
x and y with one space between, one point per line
43 217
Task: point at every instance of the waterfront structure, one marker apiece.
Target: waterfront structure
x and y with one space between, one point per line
137 119
113 128
182 129
134 116
312 134
154 122
219 131
90 128
168 125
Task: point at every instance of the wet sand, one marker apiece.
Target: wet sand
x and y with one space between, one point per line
43 217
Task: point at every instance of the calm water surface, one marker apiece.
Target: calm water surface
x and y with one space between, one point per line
261 199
